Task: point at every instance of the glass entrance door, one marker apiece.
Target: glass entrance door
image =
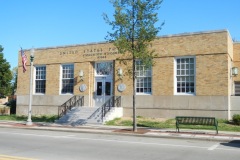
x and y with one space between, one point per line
103 82
103 91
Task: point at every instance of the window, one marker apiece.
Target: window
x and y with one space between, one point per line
185 75
104 69
67 78
40 79
143 78
237 88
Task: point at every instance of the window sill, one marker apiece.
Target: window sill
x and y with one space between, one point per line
38 94
64 94
143 94
184 94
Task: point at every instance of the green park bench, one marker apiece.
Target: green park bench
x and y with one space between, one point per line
186 120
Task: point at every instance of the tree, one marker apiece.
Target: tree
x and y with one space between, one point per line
14 80
5 75
133 30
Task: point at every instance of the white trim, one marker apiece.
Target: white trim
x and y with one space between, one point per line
99 76
34 79
175 76
143 93
103 79
60 80
60 87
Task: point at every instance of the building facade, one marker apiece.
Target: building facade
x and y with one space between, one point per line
192 75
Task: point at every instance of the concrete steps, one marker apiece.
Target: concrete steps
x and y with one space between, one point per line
79 116
115 112
89 115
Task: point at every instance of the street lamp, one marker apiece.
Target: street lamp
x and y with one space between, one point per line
29 120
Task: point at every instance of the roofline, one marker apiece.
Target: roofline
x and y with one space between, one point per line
193 33
164 36
65 46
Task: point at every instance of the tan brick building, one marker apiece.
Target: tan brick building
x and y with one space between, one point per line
192 75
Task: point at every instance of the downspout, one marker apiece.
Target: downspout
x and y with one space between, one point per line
229 93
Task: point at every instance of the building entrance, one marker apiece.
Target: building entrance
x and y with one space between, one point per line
103 82
103 91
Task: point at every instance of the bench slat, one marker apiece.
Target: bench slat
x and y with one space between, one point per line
187 120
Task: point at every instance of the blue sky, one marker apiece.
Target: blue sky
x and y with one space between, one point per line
47 23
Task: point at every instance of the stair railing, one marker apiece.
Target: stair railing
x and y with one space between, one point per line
114 101
69 104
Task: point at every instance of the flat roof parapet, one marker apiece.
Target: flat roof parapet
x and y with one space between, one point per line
164 36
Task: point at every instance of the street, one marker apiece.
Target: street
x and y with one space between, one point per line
50 145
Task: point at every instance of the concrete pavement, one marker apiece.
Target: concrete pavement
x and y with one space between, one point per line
123 130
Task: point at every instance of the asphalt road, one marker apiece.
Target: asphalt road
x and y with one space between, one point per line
49 145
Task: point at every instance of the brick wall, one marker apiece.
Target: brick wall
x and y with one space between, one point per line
210 50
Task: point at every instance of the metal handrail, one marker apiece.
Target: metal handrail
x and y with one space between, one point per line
69 104
114 101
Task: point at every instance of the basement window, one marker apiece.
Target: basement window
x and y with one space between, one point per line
237 88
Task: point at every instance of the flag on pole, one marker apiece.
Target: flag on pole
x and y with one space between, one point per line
24 60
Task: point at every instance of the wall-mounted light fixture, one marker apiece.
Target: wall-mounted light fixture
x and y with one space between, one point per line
120 73
81 75
234 71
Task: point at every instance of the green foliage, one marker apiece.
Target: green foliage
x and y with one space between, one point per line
134 28
43 118
5 75
12 104
236 119
223 125
14 80
12 118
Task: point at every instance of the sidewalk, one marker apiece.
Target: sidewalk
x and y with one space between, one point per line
123 130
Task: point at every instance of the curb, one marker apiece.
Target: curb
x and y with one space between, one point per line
119 131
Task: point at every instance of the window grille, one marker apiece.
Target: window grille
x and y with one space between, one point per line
40 79
237 88
185 75
67 78
143 78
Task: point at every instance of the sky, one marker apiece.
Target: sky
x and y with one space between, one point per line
51 23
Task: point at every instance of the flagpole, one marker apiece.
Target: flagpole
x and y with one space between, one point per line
29 120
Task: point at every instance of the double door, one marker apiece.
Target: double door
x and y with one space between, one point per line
103 90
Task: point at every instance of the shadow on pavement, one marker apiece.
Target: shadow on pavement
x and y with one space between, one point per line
234 143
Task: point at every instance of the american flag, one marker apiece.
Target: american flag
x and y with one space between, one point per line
24 60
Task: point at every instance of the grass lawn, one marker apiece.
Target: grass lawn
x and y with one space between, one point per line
223 125
24 118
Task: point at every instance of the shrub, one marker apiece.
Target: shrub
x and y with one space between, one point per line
12 105
236 119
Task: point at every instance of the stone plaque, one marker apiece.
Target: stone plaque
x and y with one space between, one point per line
83 87
121 87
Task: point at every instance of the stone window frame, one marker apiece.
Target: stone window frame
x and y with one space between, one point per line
143 80
39 76
67 79
185 79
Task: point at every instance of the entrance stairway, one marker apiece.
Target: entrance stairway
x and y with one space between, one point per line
74 113
80 116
